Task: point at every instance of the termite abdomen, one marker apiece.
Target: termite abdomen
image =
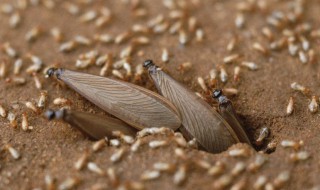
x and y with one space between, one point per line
94 126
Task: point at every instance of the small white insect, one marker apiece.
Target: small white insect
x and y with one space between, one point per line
240 152
12 119
115 142
67 46
281 179
104 38
98 145
104 69
69 183
61 101
71 8
115 157
150 175
223 181
298 87
290 106
15 20
231 45
82 40
117 73
162 166
300 156
135 146
122 37
238 168
303 57
33 34
81 162
157 143
37 81
95 168
17 66
240 20
56 34
260 182
31 106
199 35
223 75
183 37
202 84
24 123
293 49
313 105
43 99
49 181
3 112
250 65
290 144
13 152
165 55
258 47
258 163
180 176
88 16
217 169
231 58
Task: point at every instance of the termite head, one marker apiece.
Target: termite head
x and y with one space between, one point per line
54 71
218 95
148 64
52 114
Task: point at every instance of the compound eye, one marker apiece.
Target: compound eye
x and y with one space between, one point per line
216 93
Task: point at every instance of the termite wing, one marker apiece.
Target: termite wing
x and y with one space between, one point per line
199 120
94 126
137 106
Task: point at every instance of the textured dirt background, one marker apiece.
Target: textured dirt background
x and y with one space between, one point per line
53 147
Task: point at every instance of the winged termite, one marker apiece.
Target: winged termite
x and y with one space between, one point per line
229 114
96 127
199 120
133 104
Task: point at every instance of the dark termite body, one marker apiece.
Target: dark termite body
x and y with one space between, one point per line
94 126
137 106
214 132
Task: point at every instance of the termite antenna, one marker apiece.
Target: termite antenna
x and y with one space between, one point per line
52 114
148 63
54 71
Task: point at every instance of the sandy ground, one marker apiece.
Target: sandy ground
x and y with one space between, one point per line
52 148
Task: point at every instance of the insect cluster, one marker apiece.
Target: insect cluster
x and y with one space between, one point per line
189 121
142 108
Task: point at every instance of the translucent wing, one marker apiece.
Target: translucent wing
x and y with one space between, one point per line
134 105
198 118
228 113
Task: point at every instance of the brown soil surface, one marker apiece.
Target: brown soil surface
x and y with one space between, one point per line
52 148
